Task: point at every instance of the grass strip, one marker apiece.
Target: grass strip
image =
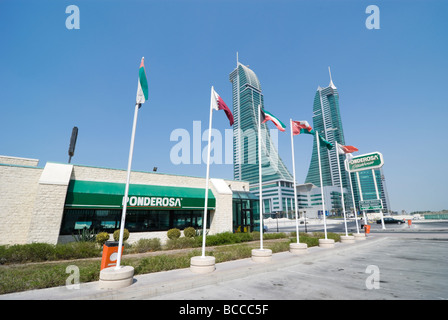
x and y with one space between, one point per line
16 278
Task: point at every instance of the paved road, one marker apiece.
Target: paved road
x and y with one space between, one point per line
338 226
386 266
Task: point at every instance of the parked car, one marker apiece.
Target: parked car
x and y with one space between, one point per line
391 220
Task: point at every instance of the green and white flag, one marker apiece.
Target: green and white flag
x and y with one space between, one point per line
142 91
325 143
265 116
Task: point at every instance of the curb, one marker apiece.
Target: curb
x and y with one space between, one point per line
156 284
151 285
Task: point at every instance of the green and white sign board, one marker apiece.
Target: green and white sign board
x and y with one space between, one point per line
365 162
108 195
371 204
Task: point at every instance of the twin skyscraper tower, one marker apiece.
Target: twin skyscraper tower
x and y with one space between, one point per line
278 184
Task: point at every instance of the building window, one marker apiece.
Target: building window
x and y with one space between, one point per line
75 220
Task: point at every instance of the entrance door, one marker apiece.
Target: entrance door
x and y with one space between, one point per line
246 215
245 208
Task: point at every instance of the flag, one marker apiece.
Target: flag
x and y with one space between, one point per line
142 91
325 143
265 116
346 149
299 127
218 104
349 157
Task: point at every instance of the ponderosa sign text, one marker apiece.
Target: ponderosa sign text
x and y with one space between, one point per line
364 162
134 201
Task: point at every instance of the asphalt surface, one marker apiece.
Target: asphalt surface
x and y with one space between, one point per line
389 265
386 267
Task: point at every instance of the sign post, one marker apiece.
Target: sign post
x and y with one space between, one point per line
378 197
360 195
369 161
363 162
374 204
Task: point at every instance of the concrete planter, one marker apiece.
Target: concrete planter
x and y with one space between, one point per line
261 255
326 243
201 264
347 239
111 278
298 248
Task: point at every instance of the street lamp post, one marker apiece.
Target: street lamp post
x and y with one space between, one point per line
304 213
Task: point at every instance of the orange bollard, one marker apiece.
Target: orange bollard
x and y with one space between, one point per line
110 254
367 229
409 223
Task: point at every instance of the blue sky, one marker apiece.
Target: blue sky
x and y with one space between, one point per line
390 80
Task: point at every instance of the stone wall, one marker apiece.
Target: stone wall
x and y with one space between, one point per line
49 203
32 199
18 189
19 161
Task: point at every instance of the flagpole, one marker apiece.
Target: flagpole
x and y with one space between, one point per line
353 199
321 183
361 197
294 181
378 197
260 177
207 176
126 190
342 191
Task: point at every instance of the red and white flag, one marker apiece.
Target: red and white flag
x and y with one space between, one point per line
301 127
265 116
346 149
217 103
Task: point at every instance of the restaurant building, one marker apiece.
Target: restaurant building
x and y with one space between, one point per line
54 203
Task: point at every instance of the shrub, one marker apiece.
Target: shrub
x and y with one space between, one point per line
181 243
38 252
276 235
256 235
32 252
161 263
227 238
76 250
222 238
173 233
146 245
244 236
102 237
189 232
237 251
125 235
85 235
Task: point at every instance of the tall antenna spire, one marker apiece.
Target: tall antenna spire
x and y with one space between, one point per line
331 80
237 61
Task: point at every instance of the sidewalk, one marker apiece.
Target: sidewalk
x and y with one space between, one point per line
155 284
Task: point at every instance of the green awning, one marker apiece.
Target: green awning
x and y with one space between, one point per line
107 195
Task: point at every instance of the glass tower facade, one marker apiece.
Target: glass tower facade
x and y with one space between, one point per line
247 95
327 121
368 187
278 192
